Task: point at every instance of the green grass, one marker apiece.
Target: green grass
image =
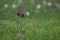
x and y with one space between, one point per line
44 26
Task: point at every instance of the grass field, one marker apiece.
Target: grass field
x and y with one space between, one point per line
42 24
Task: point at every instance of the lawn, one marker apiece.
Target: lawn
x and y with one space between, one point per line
42 24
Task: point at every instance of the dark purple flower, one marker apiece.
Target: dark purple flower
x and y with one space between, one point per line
20 14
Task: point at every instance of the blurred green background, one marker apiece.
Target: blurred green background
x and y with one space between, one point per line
42 24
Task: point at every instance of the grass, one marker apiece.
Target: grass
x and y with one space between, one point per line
44 26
